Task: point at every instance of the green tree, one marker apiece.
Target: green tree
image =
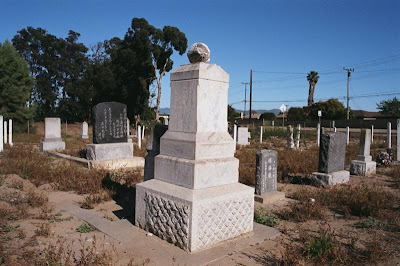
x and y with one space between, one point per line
389 107
232 114
143 57
75 101
297 114
331 109
268 116
40 50
312 78
15 87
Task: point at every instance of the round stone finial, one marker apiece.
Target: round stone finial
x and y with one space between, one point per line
198 52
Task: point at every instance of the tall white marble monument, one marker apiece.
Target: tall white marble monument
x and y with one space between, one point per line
195 200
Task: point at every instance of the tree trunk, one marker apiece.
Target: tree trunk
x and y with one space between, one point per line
159 79
310 95
158 99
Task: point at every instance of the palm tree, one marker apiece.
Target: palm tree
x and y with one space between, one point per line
312 78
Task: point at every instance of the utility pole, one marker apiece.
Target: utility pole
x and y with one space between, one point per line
245 96
349 70
251 91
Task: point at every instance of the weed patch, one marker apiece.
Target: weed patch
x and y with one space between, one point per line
261 216
84 228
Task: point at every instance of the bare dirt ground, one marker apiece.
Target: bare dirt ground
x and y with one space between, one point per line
33 230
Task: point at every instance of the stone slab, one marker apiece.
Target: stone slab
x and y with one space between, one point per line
109 151
197 146
160 252
362 168
84 130
325 180
266 171
196 174
52 128
243 136
194 219
270 197
52 145
80 161
134 162
332 152
109 123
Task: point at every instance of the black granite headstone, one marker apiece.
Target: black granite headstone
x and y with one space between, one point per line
266 171
109 123
332 152
153 149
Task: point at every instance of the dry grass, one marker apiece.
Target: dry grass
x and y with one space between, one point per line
92 254
360 200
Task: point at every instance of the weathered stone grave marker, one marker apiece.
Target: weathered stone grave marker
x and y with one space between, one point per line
195 189
10 132
84 130
110 148
153 149
332 152
5 132
290 141
266 177
298 136
243 136
363 165
52 135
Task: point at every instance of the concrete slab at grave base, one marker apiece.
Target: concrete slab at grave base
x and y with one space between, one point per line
118 163
161 252
52 145
196 219
361 168
325 180
109 151
270 197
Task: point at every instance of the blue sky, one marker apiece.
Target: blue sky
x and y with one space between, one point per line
289 37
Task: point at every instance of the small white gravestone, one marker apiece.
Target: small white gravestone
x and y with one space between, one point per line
347 135
398 139
389 135
243 136
273 123
139 136
1 133
364 165
84 130
261 134
298 136
318 133
5 132
10 132
143 128
290 141
372 133
52 135
235 132
334 129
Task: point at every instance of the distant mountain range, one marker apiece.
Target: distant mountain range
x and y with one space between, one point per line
259 111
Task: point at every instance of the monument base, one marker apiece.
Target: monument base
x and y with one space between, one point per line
194 219
133 162
52 145
362 168
109 151
269 197
325 180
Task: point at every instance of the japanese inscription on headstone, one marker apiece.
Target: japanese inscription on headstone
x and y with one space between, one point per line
266 175
109 123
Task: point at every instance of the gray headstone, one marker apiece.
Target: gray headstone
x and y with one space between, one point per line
52 128
365 146
266 175
243 136
109 123
332 151
153 149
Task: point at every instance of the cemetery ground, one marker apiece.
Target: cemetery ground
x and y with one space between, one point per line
357 223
